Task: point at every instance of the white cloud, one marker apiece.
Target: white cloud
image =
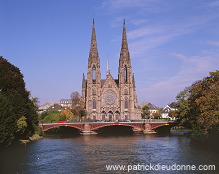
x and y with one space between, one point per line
192 69
213 43
153 24
123 4
139 21
214 3
150 6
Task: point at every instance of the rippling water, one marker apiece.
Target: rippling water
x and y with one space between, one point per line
91 154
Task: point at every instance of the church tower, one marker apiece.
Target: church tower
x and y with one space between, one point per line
93 77
110 99
126 80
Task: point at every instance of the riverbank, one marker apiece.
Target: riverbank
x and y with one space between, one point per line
32 138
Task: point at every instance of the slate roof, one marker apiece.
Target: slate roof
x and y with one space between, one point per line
169 107
172 105
152 106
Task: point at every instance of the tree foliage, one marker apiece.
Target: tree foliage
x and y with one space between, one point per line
50 116
7 120
157 114
21 124
198 105
77 106
14 103
66 114
35 101
145 113
173 114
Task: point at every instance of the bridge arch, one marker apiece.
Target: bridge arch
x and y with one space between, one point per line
115 124
161 125
48 127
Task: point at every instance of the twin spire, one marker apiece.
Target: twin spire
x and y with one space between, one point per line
124 54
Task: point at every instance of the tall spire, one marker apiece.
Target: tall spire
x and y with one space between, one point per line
125 71
83 81
107 67
93 75
93 45
124 38
124 54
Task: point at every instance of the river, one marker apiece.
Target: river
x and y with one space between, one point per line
91 154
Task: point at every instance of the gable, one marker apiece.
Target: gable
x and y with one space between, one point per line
109 82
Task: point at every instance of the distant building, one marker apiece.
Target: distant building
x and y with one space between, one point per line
65 103
46 106
152 108
167 109
56 107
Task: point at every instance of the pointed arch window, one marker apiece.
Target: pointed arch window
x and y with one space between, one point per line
94 74
126 103
125 74
94 92
94 104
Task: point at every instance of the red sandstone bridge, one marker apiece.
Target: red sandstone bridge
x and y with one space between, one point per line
92 127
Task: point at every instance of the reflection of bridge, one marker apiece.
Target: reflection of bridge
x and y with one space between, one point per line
91 127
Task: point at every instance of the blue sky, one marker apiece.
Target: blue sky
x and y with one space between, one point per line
172 43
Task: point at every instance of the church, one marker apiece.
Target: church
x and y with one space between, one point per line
110 99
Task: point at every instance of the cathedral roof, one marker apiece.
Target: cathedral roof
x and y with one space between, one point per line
103 81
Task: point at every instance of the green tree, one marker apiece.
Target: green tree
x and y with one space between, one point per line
21 124
51 116
157 114
35 101
173 114
43 115
7 121
198 106
12 85
145 113
182 105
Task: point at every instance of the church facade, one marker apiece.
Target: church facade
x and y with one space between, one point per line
110 99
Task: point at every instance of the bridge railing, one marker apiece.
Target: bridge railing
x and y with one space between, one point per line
101 121
155 120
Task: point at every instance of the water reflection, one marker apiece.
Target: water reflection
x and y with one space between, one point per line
90 154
